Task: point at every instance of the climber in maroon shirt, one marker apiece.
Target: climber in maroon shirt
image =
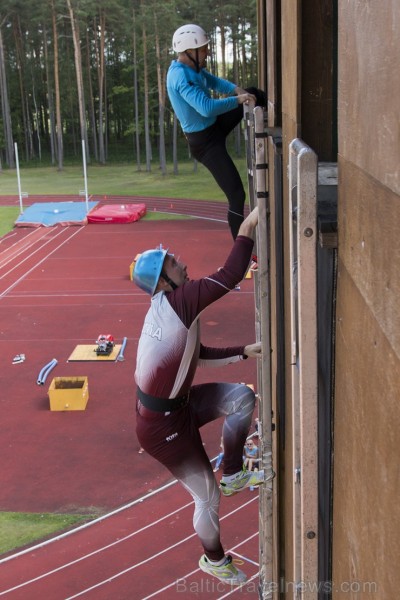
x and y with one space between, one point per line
170 410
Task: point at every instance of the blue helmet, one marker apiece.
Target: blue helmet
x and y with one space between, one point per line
148 268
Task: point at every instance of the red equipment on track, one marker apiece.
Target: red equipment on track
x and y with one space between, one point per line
105 344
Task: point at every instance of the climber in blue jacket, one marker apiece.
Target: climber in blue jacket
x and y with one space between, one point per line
206 121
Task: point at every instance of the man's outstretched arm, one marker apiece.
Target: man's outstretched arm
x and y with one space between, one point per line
249 224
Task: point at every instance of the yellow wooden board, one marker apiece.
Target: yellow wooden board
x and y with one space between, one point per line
86 352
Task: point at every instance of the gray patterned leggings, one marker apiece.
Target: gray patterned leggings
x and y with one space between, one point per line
174 440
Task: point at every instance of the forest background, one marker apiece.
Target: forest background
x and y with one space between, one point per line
95 70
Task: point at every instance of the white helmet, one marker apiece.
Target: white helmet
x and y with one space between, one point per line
188 37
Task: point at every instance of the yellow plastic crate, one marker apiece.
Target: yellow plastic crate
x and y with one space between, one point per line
69 393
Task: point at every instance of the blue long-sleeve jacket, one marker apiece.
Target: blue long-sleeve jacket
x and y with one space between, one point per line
189 93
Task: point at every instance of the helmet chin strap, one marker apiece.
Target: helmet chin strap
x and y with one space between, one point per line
194 61
168 280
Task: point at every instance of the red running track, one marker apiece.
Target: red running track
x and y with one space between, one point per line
146 550
60 287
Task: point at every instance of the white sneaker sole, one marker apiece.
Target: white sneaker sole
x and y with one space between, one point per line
227 580
249 483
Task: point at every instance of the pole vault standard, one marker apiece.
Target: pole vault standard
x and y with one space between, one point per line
85 191
20 194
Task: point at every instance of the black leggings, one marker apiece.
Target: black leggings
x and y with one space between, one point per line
209 148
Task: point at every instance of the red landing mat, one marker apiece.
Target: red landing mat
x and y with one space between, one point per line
117 213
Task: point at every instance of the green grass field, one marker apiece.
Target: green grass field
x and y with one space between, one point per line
19 529
117 180
8 216
16 529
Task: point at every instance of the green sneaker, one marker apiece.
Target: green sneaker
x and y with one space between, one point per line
227 572
244 479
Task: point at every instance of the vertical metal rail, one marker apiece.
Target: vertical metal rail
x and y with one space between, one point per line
303 167
248 118
256 151
267 585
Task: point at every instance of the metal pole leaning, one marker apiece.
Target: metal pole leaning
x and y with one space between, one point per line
20 194
121 356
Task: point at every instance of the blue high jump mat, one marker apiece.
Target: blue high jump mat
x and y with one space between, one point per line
47 214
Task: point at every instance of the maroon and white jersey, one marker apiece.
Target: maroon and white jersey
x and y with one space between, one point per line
169 348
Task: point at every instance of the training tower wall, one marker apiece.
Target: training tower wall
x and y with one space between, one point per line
330 71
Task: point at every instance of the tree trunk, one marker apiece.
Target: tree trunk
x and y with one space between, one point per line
223 51
175 144
146 100
136 94
236 78
92 111
5 109
20 54
59 144
50 96
79 77
101 75
37 120
161 101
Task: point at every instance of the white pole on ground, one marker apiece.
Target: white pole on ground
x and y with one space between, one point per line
21 208
85 175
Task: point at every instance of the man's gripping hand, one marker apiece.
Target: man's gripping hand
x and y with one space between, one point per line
246 98
253 350
249 224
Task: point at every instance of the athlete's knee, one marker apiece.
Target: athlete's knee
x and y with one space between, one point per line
207 502
247 396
